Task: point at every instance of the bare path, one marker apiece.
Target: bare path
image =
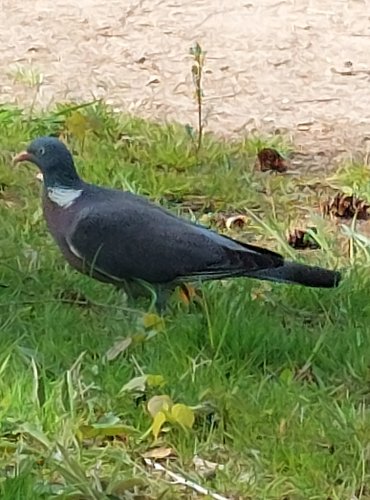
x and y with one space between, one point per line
300 66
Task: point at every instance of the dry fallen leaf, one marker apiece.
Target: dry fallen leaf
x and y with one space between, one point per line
236 221
270 159
159 453
137 384
346 207
118 348
206 468
152 79
188 294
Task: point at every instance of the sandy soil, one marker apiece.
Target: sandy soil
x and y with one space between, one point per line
298 66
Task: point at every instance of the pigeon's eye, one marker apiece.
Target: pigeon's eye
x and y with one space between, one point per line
41 151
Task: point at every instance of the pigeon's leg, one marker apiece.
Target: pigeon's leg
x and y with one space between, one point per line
162 294
132 291
158 293
127 288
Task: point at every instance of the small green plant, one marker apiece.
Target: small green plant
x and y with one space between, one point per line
162 410
197 72
29 77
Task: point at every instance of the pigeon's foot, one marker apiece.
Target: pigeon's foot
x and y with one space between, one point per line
157 294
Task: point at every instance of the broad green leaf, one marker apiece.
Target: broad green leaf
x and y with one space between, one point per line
158 421
154 321
158 404
155 380
182 415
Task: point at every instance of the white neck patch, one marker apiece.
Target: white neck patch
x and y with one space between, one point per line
64 197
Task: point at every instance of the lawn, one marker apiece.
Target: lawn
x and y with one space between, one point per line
269 385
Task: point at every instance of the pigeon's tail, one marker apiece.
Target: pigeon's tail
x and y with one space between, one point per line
299 274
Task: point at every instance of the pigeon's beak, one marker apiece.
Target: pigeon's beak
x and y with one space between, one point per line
23 156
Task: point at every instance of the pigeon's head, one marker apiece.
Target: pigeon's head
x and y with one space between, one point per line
54 161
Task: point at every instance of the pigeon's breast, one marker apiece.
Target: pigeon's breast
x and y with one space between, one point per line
59 220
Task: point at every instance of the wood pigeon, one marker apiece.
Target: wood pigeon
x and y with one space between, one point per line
122 238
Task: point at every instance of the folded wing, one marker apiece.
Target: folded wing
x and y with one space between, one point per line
145 242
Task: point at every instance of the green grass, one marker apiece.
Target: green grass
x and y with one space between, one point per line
278 377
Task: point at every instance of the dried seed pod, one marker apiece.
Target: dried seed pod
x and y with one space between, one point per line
300 239
270 159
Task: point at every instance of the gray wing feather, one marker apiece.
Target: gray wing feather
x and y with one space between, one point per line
138 240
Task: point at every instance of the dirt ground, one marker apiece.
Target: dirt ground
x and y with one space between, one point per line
301 67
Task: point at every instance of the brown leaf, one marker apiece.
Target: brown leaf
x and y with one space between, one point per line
346 207
270 159
189 294
153 79
205 468
159 453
